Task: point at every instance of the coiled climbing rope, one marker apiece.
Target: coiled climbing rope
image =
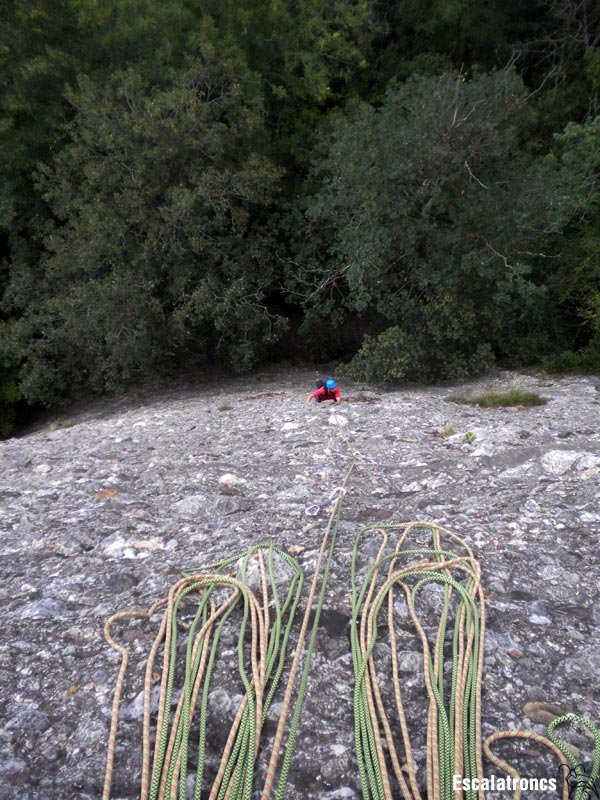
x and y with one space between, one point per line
454 746
245 590
211 595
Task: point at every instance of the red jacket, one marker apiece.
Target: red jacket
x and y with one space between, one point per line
327 394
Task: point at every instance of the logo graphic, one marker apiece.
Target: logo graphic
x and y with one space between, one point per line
580 784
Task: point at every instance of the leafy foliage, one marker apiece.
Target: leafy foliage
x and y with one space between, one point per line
171 173
311 55
431 213
155 244
9 396
574 284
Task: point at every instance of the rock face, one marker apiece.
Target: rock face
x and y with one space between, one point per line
100 510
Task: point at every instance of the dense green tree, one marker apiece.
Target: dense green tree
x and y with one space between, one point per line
156 248
574 283
432 216
73 281
449 214
428 37
40 46
9 393
311 56
575 288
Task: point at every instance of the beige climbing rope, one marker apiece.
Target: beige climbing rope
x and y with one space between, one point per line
265 616
454 746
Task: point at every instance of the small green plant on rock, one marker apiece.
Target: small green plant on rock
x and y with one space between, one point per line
448 431
470 437
514 397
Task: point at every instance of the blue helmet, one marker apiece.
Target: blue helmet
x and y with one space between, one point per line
330 383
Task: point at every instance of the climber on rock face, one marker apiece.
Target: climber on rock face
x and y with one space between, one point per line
326 390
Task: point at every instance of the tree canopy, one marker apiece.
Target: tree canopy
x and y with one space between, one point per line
432 215
411 187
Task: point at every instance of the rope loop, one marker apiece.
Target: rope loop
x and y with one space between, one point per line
265 613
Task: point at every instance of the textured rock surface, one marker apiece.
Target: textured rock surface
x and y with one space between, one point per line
100 509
